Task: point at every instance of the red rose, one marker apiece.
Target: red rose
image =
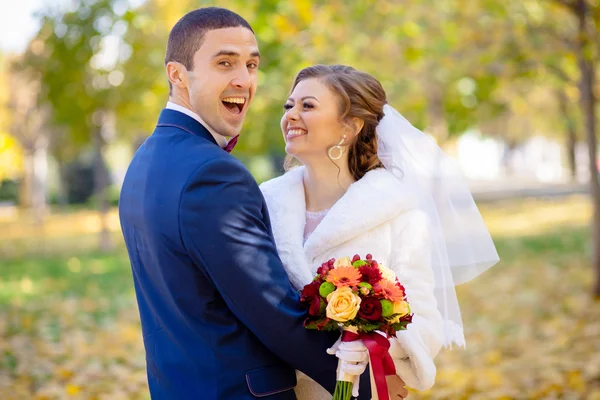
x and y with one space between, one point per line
370 275
370 309
310 290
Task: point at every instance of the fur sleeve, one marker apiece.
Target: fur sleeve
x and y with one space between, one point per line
414 349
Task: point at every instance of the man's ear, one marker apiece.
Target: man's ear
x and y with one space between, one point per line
177 74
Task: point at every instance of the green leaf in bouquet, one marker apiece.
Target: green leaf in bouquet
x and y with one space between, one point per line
400 326
370 327
323 307
317 324
330 326
311 325
358 264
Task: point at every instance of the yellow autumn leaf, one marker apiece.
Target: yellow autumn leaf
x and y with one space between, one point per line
576 381
64 373
72 390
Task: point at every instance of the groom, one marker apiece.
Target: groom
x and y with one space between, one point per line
220 319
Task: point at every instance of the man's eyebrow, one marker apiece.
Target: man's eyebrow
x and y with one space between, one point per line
226 53
232 53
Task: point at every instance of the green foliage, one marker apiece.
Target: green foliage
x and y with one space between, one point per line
9 190
68 57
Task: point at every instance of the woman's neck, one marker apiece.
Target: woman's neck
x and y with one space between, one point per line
325 184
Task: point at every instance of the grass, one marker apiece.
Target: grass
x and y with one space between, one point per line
69 327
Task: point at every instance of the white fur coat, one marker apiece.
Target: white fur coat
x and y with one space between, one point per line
377 216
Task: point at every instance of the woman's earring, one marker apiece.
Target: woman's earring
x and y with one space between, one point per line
337 148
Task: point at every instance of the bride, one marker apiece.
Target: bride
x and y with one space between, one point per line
372 183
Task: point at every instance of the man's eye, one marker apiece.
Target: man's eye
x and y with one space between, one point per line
253 65
225 63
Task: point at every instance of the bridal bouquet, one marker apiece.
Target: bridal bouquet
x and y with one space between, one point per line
364 299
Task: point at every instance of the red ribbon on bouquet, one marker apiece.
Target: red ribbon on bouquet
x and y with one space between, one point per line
381 361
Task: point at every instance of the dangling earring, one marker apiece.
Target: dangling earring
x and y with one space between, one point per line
339 148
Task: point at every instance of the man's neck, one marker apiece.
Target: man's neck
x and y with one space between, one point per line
184 103
181 101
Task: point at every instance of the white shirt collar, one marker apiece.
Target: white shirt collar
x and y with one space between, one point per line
220 139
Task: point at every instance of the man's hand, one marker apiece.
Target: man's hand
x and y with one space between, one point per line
396 387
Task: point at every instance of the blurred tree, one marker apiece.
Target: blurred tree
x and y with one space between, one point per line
144 90
11 163
538 53
586 51
436 71
569 51
28 126
76 55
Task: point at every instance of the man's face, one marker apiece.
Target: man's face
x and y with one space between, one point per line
223 81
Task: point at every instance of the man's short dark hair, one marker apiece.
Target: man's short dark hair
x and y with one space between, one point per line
187 35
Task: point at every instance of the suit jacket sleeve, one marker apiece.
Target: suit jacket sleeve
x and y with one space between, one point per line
222 226
414 349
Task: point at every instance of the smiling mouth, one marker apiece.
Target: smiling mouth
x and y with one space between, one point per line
295 132
234 104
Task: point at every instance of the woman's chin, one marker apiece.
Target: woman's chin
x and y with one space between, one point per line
291 149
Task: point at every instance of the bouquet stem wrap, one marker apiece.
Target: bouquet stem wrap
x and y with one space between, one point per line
379 358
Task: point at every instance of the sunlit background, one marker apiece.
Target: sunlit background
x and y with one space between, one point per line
506 87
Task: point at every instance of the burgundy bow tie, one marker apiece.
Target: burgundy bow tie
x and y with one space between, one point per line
231 144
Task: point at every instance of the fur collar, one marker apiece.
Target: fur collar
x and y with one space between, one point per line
375 199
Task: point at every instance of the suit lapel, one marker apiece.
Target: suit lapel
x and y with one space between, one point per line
175 119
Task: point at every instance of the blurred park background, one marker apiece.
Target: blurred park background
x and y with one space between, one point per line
507 87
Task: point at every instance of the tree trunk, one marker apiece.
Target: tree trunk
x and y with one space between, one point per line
33 190
571 137
436 114
101 183
27 183
588 102
62 196
437 125
40 182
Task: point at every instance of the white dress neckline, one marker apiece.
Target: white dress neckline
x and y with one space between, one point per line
313 219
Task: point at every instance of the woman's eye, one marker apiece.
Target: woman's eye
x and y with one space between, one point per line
287 106
307 105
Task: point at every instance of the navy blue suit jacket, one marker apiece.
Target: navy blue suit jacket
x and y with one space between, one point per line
220 319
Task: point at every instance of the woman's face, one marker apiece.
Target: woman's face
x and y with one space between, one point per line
311 124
